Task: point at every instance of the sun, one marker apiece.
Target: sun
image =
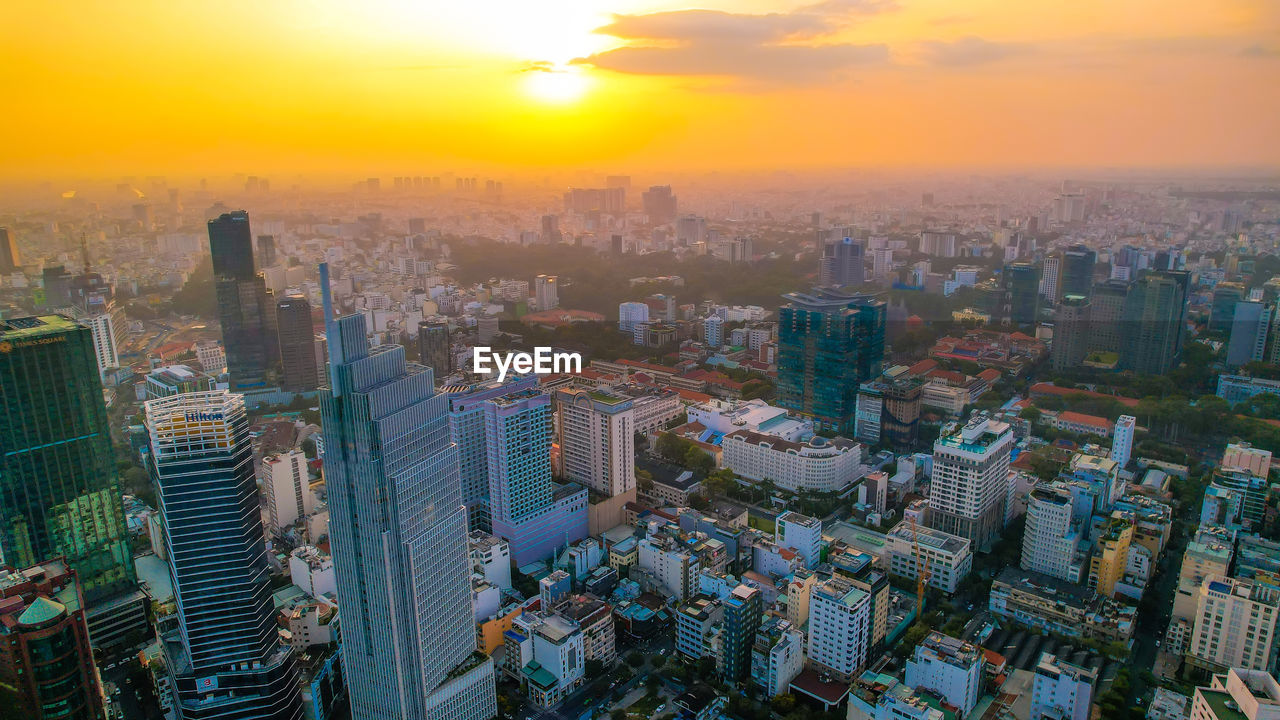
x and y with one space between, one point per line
557 84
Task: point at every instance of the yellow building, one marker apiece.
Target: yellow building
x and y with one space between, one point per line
1107 566
489 633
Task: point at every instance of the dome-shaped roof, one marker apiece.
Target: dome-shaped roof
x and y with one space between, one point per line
41 611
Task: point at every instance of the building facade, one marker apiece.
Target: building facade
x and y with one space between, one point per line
971 492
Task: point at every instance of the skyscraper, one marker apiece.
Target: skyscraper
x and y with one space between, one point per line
843 263
1070 332
1223 309
659 204
597 440
297 344
742 614
1250 327
225 658
545 291
1106 316
1051 279
59 493
398 530
433 348
1049 542
533 513
1077 271
1122 439
10 258
1021 285
246 309
829 343
1152 327
971 494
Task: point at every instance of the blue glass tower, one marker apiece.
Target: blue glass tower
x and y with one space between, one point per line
225 658
398 532
829 343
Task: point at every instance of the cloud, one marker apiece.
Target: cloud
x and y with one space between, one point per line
969 51
774 47
1259 51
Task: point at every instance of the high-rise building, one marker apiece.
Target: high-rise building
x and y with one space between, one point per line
10 258
468 431
596 434
266 255
246 309
954 669
59 492
829 343
297 344
843 263
550 234
286 483
224 659
546 295
1235 625
398 531
1051 279
1070 332
1106 316
1122 439
533 513
659 204
839 619
44 645
1020 284
1077 271
630 313
433 348
971 494
742 614
802 534
888 409
1250 326
1153 318
713 330
1223 308
1051 538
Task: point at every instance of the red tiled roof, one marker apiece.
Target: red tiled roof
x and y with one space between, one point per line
1042 388
1082 419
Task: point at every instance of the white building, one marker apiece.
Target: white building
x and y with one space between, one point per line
1235 624
817 465
777 656
950 668
287 487
1122 439
630 313
312 571
211 356
311 624
491 558
949 558
1049 542
1061 690
802 534
713 328
670 564
971 490
596 434
546 294
758 416
1249 694
547 650
839 627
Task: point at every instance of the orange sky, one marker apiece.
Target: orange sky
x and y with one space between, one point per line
426 86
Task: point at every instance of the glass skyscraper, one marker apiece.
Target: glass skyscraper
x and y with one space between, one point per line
59 492
829 343
1154 312
225 658
246 309
398 531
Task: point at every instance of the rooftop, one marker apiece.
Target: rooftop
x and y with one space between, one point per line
24 328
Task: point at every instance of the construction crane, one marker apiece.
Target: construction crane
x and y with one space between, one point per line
922 571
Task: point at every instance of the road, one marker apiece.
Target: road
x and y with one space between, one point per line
1150 627
595 695
136 700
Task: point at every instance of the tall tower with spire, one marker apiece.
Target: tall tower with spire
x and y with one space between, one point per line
398 532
